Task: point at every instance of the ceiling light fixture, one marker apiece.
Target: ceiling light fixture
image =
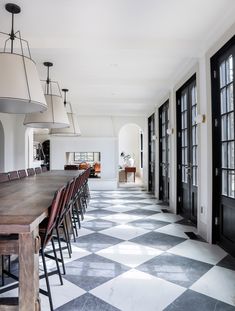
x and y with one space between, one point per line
20 87
73 129
55 116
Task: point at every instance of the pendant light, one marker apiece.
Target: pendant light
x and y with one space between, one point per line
73 129
55 116
20 87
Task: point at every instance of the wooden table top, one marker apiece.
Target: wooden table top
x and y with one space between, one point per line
24 203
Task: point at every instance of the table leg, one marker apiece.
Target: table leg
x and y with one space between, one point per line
28 272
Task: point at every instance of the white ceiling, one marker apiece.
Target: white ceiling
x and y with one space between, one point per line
118 57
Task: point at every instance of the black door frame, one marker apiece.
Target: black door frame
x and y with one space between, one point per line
216 132
191 217
164 196
151 153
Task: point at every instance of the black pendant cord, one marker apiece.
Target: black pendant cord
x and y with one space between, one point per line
65 96
13 9
48 65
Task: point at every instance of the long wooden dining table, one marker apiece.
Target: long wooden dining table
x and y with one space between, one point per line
24 204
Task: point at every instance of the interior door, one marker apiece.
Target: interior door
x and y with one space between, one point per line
164 152
151 153
187 149
223 67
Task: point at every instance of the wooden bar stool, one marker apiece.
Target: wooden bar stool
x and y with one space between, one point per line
22 174
4 177
13 175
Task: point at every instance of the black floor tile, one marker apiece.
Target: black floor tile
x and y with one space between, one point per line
93 270
98 224
193 301
87 302
149 224
96 241
99 204
137 204
141 212
176 269
100 213
227 262
158 240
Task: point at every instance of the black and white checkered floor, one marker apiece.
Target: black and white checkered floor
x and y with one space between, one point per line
131 256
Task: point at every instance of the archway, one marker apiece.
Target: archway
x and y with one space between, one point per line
2 148
130 154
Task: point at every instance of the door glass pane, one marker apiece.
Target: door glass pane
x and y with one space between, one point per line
186 156
231 184
230 98
223 102
224 155
231 155
229 69
224 182
224 127
222 75
230 126
194 176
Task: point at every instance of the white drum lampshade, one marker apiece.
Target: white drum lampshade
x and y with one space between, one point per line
20 87
73 129
55 116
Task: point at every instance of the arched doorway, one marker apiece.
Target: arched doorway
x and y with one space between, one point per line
130 154
2 148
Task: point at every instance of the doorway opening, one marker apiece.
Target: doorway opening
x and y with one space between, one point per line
130 156
187 150
223 142
2 148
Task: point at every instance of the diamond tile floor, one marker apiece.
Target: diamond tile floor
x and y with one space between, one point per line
130 256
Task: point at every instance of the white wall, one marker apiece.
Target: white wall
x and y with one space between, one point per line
14 142
129 143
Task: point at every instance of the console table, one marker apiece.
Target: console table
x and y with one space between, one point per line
130 169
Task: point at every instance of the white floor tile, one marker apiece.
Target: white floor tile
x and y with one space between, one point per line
138 291
177 230
124 232
120 208
129 254
60 294
166 217
121 218
201 251
218 283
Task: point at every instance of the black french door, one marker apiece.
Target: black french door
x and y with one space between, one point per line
164 153
151 153
223 85
187 149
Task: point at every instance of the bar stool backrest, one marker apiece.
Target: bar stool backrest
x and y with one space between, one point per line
22 173
30 171
13 175
4 177
38 170
53 214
